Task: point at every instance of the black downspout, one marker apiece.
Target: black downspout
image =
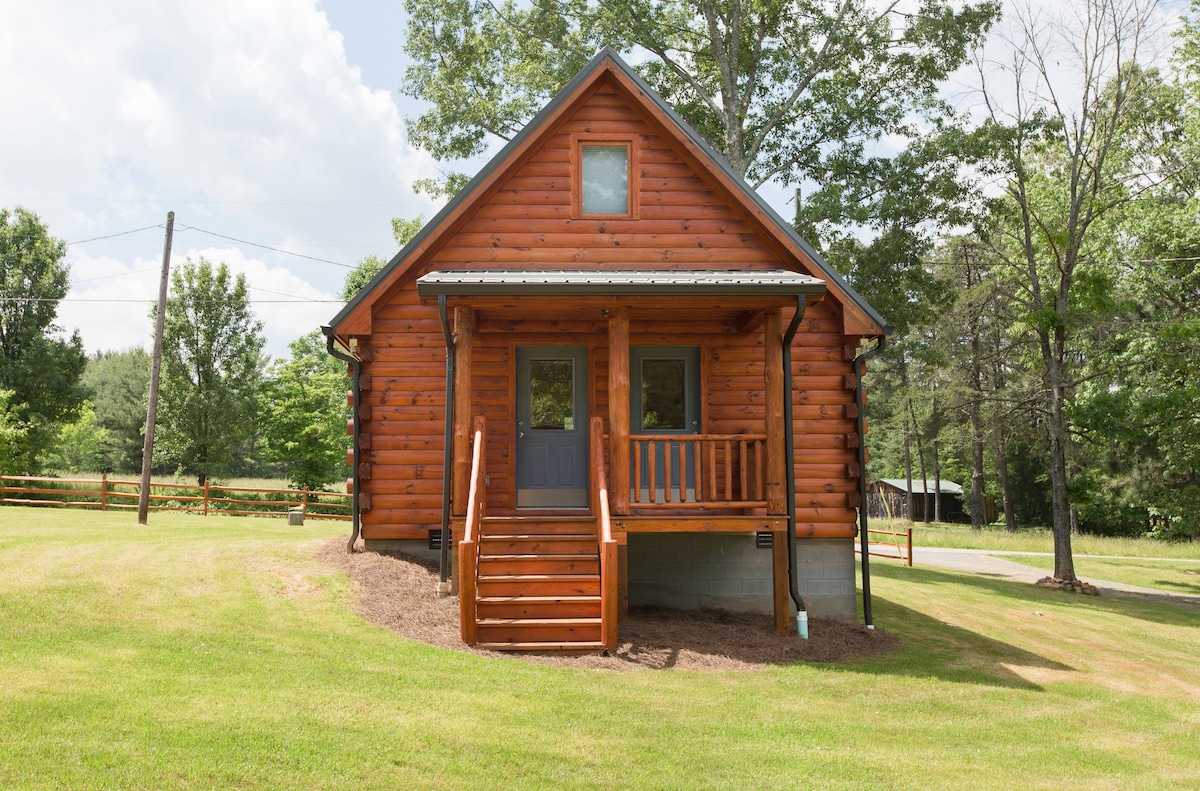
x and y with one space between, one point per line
789 444
356 367
860 368
448 457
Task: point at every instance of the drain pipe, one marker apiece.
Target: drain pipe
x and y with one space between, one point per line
356 368
789 441
443 587
860 368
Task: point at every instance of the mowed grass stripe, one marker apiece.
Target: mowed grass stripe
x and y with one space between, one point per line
217 652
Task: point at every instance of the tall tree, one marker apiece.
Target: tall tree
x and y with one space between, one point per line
304 413
40 368
1064 152
118 383
212 366
797 92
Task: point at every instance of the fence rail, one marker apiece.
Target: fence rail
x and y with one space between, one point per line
102 492
900 540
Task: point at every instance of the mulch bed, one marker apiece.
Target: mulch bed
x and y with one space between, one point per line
398 592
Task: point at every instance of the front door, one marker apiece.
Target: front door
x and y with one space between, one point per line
552 441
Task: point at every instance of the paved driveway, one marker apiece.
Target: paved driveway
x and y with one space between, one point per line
1007 565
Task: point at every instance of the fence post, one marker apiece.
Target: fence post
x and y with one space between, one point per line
206 495
910 546
304 502
103 491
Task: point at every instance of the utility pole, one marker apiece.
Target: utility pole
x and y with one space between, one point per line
156 364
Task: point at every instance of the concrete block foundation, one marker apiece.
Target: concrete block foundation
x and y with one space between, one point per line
727 571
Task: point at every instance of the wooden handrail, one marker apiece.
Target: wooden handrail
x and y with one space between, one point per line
468 547
708 452
606 544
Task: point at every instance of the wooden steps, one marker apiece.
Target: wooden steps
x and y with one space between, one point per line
538 587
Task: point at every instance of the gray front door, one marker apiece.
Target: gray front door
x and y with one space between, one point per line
552 440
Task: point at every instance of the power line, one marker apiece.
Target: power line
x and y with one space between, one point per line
265 247
297 301
114 235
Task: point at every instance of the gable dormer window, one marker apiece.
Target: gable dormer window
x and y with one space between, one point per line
604 184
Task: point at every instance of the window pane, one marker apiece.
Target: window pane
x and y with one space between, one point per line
551 394
605 180
664 404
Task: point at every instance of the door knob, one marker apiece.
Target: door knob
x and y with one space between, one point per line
520 435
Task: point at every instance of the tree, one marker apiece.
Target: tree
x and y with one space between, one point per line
211 369
40 369
303 412
12 436
81 445
1068 159
403 230
800 93
118 383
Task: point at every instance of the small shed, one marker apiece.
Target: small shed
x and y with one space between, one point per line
888 500
616 376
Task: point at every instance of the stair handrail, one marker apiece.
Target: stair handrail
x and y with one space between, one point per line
468 547
606 544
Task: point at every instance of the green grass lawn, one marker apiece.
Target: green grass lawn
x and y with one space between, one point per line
218 653
1036 539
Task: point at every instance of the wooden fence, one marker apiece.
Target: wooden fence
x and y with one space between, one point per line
107 493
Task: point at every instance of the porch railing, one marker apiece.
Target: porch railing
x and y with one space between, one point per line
607 545
468 547
710 471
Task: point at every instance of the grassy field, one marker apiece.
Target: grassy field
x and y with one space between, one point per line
1037 539
218 653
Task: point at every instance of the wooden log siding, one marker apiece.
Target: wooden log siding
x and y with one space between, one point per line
683 222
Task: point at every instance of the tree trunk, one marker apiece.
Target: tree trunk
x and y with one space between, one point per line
921 463
1010 520
907 473
1056 430
937 483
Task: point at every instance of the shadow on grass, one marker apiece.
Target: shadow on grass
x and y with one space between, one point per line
1164 609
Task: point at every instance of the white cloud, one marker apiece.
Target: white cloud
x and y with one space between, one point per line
242 117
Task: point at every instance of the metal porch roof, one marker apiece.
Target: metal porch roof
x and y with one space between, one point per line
534 282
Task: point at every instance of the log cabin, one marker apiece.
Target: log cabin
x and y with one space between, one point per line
611 375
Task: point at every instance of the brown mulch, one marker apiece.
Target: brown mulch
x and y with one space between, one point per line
397 591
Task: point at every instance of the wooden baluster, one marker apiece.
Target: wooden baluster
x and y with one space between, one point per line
743 465
712 472
728 470
667 471
637 471
651 472
697 471
758 469
682 471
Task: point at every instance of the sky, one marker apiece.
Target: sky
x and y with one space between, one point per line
272 128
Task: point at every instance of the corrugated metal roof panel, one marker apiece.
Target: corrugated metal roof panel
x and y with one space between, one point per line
947 487
622 282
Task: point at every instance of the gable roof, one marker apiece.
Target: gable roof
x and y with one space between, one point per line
354 318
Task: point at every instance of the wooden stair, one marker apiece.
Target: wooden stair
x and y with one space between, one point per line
538 587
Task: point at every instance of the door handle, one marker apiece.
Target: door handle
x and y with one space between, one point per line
520 435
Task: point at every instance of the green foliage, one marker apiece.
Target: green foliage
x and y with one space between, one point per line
81 445
40 369
119 383
304 413
211 369
12 436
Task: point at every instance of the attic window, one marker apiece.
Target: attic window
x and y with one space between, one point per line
605 184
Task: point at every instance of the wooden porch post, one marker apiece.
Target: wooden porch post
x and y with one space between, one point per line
464 328
776 470
618 408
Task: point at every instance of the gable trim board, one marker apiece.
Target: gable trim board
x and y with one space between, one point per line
859 318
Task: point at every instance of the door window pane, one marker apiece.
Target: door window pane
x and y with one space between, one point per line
552 394
605 180
664 397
